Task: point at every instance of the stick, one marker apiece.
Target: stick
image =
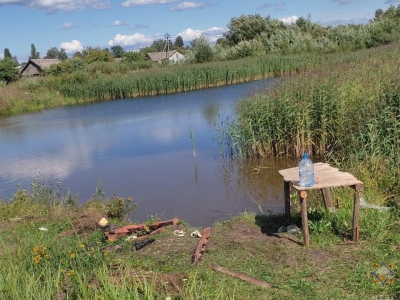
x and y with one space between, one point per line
244 277
201 245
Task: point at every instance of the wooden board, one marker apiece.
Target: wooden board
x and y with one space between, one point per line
325 177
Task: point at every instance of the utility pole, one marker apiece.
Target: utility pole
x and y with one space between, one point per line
167 37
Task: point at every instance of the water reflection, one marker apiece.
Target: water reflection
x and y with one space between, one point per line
141 148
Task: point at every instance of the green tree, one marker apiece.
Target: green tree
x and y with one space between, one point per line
178 42
160 45
132 56
54 53
245 28
8 70
7 54
98 55
378 14
117 51
203 51
34 53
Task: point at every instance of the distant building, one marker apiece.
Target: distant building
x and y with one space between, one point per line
173 55
35 67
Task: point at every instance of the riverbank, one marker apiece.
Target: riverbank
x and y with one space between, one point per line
57 251
98 82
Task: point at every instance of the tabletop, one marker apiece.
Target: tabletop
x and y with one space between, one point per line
325 177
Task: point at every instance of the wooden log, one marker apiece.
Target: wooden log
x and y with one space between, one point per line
241 276
155 225
304 218
201 246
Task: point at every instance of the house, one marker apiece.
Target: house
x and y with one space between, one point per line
35 67
173 56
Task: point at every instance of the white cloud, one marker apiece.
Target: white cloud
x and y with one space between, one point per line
73 46
119 23
1 56
67 25
289 20
52 6
136 39
129 3
190 34
212 33
188 5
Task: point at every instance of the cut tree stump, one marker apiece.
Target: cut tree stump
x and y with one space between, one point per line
201 245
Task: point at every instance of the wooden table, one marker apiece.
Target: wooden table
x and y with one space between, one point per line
325 178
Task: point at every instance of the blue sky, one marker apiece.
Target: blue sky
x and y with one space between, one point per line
75 24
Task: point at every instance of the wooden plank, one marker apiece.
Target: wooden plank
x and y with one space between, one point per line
241 276
201 246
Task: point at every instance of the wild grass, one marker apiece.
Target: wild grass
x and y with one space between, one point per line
71 260
107 81
347 113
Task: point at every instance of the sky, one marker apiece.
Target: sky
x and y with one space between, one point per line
133 24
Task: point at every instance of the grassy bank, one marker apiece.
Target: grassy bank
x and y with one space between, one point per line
347 114
107 81
71 259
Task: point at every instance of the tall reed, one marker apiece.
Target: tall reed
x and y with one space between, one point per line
347 111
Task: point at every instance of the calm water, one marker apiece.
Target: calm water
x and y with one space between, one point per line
142 148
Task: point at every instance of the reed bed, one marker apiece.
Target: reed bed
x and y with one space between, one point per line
349 112
182 78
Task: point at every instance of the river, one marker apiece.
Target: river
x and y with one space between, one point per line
162 151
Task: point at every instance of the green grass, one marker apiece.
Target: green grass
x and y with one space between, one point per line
73 261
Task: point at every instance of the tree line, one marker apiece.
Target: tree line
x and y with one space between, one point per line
247 35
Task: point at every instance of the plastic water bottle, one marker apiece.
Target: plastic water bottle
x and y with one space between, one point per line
306 171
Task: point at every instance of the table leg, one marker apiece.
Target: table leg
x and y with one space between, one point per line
327 194
286 188
304 218
356 212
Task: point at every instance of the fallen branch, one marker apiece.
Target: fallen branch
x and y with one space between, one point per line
201 245
244 277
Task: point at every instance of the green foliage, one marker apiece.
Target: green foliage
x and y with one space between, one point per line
159 45
117 51
67 66
8 70
7 54
54 53
118 207
97 55
133 56
34 54
248 27
203 51
178 42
